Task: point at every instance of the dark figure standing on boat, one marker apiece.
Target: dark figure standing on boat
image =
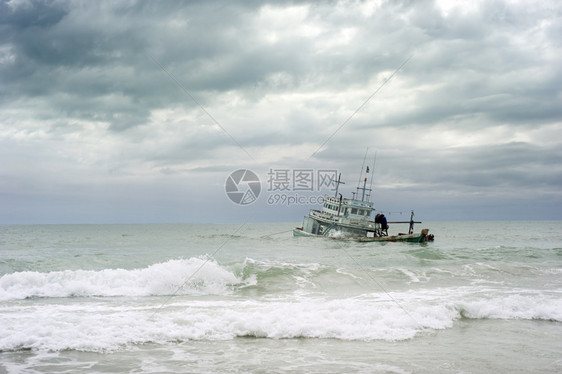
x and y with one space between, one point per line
380 218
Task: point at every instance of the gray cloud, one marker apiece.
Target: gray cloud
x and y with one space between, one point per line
99 94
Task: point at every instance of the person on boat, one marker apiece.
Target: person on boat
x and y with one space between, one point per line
384 225
380 218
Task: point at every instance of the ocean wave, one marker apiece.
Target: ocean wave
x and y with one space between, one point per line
193 276
102 327
279 272
106 325
183 276
294 279
514 306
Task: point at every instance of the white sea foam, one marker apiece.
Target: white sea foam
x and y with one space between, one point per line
94 327
186 276
97 326
412 276
515 306
336 234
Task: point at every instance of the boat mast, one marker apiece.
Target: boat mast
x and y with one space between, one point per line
362 168
338 182
364 188
372 174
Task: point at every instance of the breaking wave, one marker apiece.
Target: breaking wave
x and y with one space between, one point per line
247 299
185 276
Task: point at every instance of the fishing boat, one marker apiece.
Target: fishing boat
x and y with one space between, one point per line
350 218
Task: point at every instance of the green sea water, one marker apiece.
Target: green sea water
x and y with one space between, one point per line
249 298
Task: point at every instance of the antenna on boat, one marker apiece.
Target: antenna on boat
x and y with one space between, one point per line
362 168
372 175
364 188
338 182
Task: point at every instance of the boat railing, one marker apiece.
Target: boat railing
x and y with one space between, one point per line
363 223
318 214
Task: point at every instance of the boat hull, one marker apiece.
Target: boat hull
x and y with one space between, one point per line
409 238
298 231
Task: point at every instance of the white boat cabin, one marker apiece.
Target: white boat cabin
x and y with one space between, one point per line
348 208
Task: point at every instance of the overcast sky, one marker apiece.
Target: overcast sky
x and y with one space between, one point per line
138 111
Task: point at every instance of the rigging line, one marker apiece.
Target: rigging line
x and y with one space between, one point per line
360 106
394 211
275 233
196 271
185 90
378 284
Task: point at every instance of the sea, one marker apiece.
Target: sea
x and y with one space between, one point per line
484 297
